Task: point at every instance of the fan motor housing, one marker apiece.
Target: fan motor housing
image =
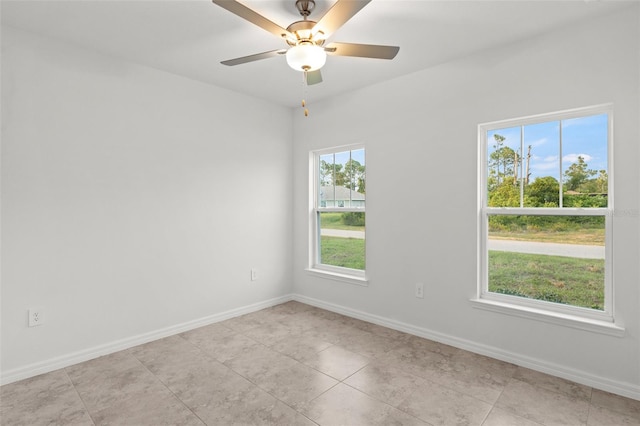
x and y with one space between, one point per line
302 31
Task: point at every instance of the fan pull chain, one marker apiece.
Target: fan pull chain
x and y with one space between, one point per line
304 83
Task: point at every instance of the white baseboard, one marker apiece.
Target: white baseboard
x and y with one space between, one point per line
49 365
628 390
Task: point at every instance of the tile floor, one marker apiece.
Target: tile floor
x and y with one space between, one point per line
294 364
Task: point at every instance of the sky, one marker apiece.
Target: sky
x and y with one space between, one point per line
584 136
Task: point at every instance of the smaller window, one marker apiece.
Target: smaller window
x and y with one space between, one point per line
338 218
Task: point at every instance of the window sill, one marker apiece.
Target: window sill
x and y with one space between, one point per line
596 326
351 279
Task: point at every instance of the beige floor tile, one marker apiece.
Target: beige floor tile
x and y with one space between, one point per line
106 387
165 354
158 408
221 397
300 346
599 416
542 406
367 344
270 332
104 366
244 323
295 385
202 335
343 405
259 362
439 405
330 332
47 399
292 307
222 347
426 344
336 362
190 370
381 331
385 383
552 383
255 407
499 417
625 406
474 375
418 361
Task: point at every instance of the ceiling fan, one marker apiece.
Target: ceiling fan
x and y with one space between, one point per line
306 38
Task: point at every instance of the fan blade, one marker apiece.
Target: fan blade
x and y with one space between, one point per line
362 50
314 77
338 15
250 15
256 57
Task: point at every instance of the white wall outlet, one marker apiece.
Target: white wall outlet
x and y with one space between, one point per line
35 317
254 274
420 290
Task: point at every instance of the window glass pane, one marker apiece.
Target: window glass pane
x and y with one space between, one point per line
558 259
503 171
342 239
541 165
584 161
355 178
326 177
342 179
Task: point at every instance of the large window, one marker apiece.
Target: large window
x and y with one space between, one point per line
338 217
545 213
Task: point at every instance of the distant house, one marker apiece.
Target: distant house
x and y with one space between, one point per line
340 196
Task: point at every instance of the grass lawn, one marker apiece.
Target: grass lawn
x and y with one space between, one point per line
574 281
345 252
583 236
334 221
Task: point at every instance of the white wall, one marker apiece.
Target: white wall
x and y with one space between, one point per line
133 201
420 133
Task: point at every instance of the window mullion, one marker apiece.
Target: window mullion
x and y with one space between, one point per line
560 197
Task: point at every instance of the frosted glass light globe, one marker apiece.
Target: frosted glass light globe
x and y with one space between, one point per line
306 57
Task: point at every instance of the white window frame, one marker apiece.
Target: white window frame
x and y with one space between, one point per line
349 275
574 316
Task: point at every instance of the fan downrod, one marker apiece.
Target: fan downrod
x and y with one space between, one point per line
305 7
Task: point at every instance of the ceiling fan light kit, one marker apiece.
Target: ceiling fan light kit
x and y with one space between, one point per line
306 57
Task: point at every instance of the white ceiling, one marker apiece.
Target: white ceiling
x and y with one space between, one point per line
191 37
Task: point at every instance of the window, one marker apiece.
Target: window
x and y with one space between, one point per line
545 213
338 213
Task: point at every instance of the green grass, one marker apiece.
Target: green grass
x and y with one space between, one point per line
559 279
345 252
593 237
334 221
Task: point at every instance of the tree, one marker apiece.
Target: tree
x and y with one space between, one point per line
527 173
602 182
543 192
354 176
503 162
577 174
505 195
331 174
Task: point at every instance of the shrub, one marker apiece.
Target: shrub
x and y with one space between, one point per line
353 218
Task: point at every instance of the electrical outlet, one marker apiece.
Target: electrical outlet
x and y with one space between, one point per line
420 290
35 317
254 274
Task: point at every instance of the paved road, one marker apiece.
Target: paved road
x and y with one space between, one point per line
342 233
553 249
